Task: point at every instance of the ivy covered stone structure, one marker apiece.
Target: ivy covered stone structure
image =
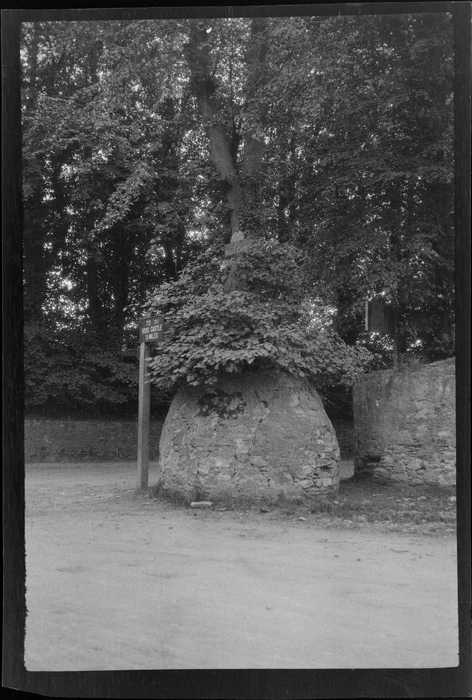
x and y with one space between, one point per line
255 437
246 422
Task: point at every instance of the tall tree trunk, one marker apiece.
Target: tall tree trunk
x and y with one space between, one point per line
169 262
119 274
32 88
95 307
204 88
286 215
36 263
35 258
241 191
251 170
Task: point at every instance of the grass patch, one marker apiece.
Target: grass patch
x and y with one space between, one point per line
367 501
426 508
175 498
422 508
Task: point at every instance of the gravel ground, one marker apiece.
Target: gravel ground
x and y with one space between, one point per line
117 580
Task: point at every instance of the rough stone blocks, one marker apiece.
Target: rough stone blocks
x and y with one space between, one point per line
404 424
275 441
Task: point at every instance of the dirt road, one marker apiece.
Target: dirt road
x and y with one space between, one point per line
117 581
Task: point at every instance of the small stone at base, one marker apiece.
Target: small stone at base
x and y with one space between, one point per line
201 504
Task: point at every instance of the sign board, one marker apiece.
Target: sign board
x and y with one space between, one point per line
379 317
151 328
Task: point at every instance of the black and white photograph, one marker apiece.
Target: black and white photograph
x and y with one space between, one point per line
239 340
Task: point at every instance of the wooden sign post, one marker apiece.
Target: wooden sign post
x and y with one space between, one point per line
150 330
143 418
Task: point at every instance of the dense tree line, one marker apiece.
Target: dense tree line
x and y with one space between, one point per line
146 143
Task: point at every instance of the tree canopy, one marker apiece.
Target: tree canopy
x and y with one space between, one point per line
147 143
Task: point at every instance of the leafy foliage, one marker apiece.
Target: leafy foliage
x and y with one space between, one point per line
373 209
337 135
264 326
72 373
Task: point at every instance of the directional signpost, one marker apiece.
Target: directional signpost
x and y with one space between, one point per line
151 329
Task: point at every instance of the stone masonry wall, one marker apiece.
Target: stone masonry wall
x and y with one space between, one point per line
256 436
404 424
98 440
87 440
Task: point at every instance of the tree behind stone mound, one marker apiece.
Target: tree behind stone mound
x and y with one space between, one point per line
247 315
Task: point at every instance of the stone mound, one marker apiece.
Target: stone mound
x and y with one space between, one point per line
255 438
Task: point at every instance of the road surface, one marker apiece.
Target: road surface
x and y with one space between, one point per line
116 580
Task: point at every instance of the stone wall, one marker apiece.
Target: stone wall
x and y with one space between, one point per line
404 424
55 440
87 440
